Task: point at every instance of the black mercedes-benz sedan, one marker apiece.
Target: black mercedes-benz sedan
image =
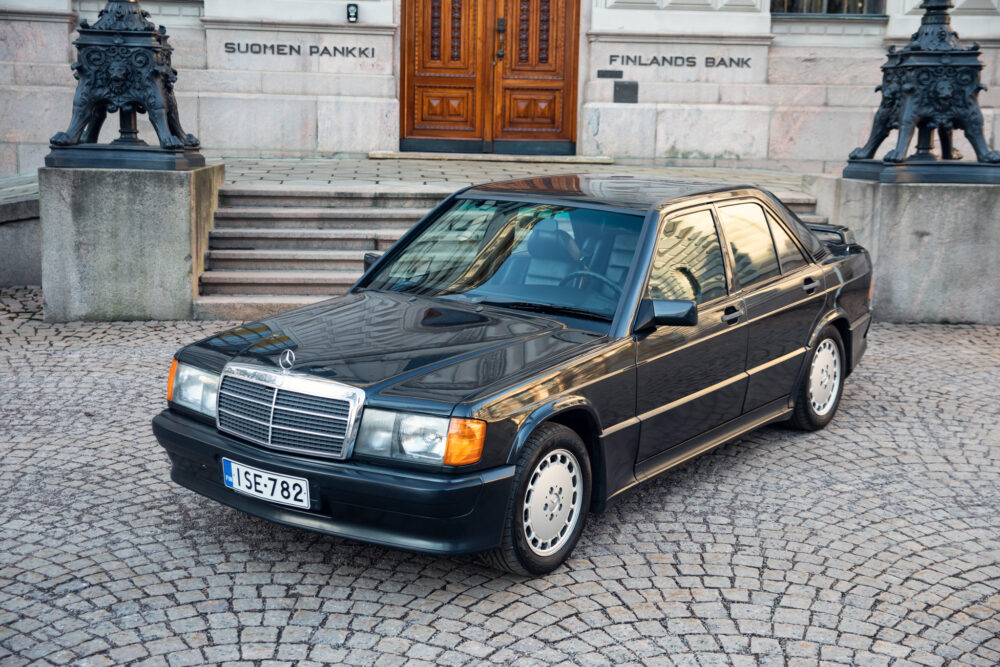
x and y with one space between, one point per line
526 353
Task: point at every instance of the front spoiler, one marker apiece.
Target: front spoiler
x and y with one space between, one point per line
432 513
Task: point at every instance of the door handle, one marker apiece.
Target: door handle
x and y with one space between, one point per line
501 29
731 315
810 285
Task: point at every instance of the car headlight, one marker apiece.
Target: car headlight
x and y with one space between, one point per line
419 438
193 388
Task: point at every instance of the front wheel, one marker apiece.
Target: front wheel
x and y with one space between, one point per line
546 512
818 397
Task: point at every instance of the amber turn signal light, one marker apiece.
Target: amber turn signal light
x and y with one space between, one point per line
170 381
465 442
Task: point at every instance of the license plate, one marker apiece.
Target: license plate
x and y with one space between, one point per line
270 486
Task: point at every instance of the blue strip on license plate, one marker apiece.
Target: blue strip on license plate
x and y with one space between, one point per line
270 486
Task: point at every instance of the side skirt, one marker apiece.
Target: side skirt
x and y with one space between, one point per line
678 454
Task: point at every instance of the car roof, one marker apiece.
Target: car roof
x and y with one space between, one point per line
623 191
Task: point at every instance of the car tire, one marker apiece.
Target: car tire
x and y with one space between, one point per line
818 395
543 525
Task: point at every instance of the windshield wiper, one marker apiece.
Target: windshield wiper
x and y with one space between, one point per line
549 308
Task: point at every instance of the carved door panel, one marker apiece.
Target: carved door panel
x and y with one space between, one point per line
446 65
535 80
489 75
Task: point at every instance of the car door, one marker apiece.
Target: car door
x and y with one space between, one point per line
783 293
690 378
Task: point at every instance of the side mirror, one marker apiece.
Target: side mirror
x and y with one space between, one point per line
371 258
660 312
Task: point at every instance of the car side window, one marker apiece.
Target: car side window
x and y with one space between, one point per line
749 238
688 264
788 253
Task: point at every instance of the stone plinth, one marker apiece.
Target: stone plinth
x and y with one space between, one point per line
124 244
936 248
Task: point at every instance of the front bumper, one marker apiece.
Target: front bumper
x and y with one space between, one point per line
434 513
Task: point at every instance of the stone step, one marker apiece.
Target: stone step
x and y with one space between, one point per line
812 218
303 239
249 307
286 260
275 283
798 201
281 217
288 196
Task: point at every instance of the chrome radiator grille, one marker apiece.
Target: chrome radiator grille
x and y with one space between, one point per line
289 412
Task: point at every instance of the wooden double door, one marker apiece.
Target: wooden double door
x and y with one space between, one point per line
489 76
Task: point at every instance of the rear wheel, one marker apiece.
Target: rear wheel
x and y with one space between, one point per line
818 397
546 512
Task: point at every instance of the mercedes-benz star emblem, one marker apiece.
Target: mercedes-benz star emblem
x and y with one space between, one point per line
286 360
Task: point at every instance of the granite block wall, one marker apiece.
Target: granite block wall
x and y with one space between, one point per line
292 78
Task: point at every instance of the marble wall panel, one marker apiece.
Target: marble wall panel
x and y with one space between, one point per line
680 93
682 61
621 130
8 159
275 50
357 125
189 47
44 74
343 85
817 133
602 90
35 41
34 114
853 96
772 95
857 66
712 131
218 81
257 122
31 157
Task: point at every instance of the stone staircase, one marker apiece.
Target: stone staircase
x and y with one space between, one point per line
274 248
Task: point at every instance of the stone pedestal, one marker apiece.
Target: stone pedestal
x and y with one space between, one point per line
124 244
936 248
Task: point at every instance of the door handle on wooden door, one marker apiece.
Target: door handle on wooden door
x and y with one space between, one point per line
501 29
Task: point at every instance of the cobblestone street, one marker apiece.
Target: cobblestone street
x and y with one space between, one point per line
875 541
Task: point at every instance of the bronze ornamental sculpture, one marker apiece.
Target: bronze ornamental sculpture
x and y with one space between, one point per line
123 66
930 85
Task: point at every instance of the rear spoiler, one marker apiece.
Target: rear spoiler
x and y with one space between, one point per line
835 234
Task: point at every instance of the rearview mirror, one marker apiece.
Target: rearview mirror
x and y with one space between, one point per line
371 258
661 312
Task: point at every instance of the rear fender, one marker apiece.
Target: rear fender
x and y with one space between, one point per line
829 318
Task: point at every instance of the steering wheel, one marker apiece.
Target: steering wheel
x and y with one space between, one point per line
604 279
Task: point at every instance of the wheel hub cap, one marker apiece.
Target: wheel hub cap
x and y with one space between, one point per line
552 502
824 377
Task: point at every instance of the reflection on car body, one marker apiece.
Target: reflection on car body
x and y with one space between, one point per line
526 353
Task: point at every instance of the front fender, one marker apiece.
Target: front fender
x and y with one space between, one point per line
546 412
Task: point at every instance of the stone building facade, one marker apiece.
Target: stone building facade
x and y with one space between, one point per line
681 82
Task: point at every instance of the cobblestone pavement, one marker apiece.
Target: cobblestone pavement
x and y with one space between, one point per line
876 541
448 174
451 174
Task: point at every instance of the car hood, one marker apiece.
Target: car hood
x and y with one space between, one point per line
398 346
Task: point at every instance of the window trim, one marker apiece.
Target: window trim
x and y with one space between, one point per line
741 288
795 244
864 18
726 266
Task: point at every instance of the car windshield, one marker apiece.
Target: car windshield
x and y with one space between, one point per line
529 256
